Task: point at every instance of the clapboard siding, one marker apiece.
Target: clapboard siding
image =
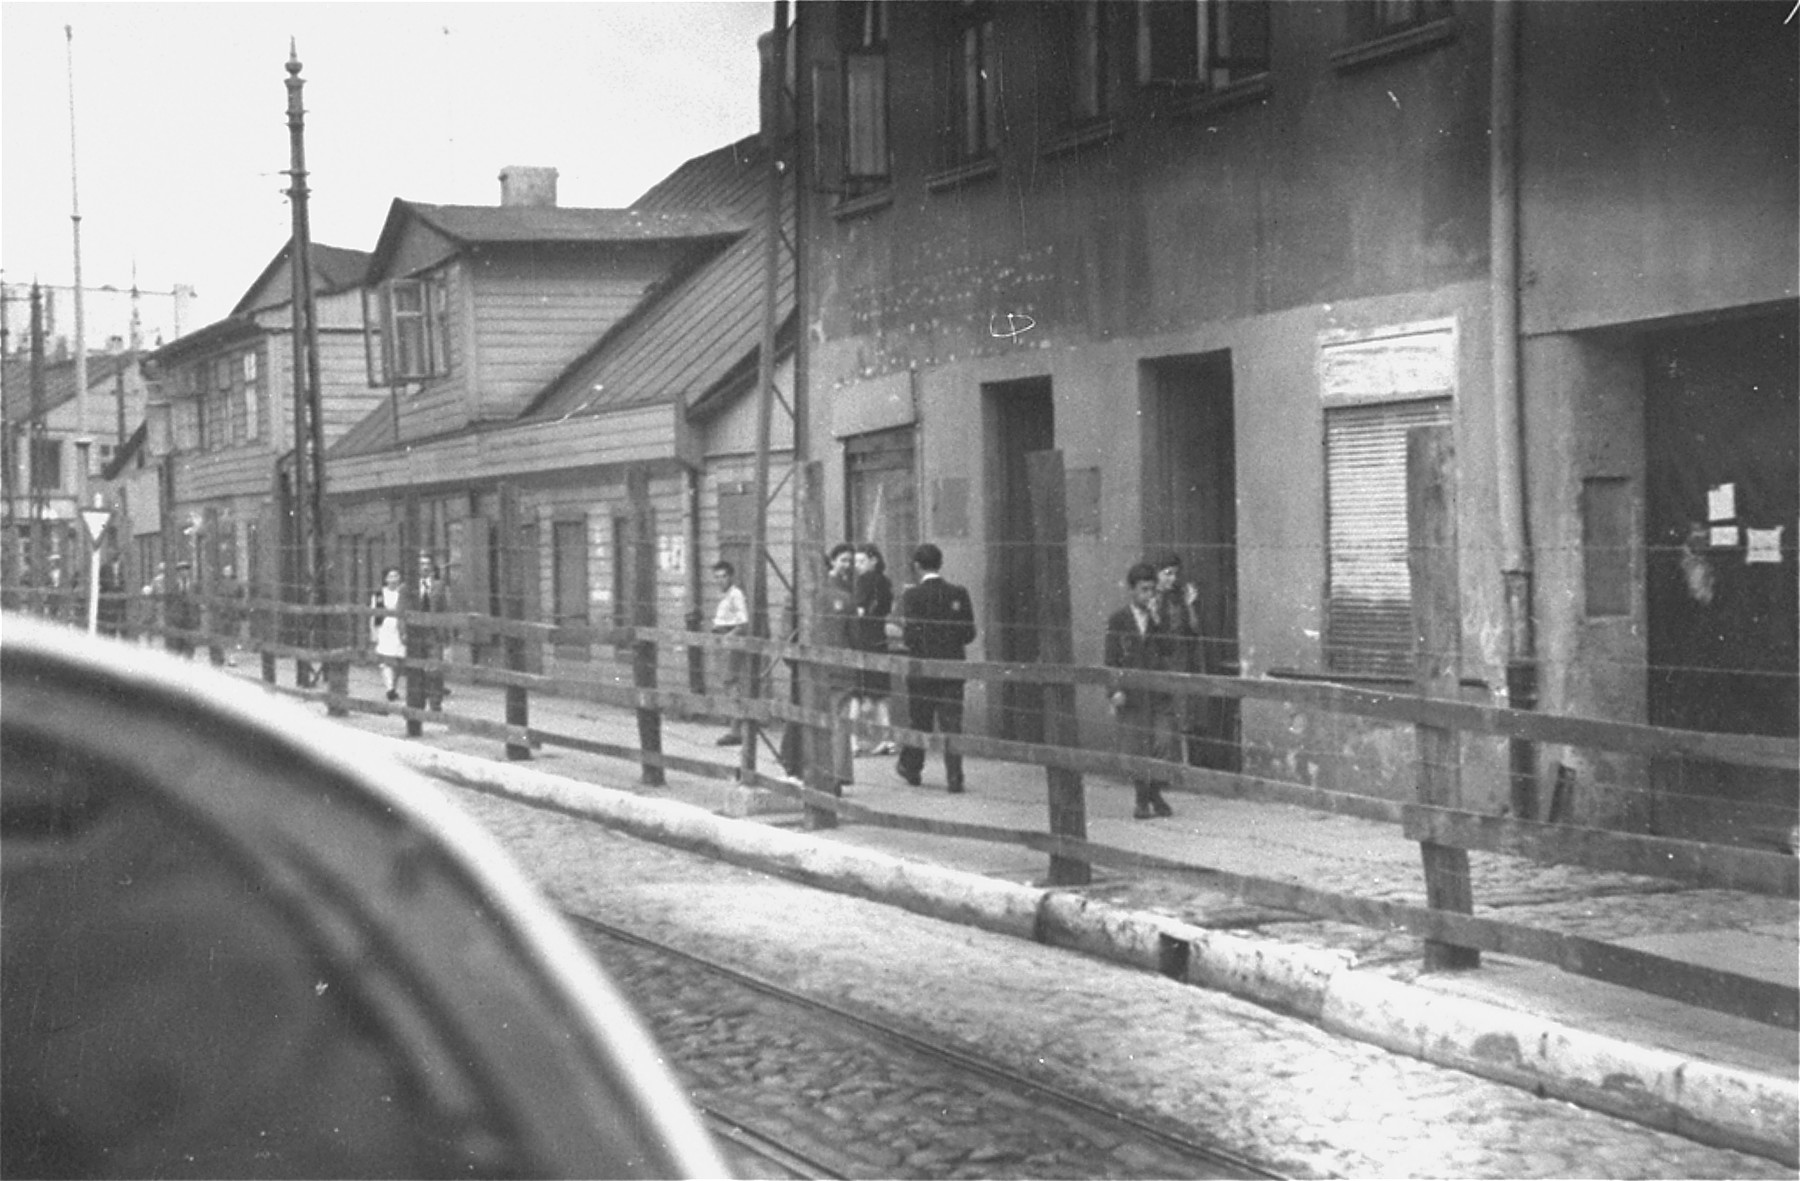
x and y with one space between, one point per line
536 312
644 434
235 471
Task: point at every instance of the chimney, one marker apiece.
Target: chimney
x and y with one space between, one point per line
522 185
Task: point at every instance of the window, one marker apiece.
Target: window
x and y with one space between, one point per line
251 369
406 330
1088 56
970 127
1207 43
1370 19
862 33
1368 621
46 463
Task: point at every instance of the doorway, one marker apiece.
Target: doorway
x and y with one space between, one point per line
1190 510
1722 497
1022 419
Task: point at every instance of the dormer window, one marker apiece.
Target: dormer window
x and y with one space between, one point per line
405 330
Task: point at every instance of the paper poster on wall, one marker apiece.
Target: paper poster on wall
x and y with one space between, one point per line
672 552
1721 502
1723 537
1762 545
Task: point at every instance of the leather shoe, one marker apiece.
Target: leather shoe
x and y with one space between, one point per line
955 789
1143 812
909 777
1161 807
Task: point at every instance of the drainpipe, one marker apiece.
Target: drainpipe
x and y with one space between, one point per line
1503 290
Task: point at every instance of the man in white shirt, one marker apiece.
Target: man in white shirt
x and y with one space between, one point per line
731 618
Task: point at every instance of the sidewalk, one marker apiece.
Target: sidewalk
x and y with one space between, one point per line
1704 1075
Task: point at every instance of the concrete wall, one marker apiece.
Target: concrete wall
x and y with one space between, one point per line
1660 160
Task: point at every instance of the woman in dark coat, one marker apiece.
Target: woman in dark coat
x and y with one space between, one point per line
874 597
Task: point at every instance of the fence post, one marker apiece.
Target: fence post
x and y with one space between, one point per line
1050 530
818 743
643 618
512 606
1437 628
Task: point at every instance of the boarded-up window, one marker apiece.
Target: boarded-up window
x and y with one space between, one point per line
883 496
1369 588
1606 535
569 579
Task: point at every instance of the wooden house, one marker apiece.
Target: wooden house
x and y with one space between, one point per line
44 441
564 357
222 418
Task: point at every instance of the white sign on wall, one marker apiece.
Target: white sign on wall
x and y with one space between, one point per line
1389 364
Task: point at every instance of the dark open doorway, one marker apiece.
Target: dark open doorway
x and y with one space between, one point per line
1022 419
1190 509
1722 432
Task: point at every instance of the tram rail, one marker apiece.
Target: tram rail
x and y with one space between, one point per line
1211 1160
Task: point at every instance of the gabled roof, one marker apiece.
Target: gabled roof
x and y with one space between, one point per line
333 268
519 225
59 380
688 337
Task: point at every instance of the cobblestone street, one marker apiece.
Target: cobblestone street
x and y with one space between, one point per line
1271 1088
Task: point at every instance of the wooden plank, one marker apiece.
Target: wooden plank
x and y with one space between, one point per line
1696 862
817 746
1050 534
642 530
1437 627
506 530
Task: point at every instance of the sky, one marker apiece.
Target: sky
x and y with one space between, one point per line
180 138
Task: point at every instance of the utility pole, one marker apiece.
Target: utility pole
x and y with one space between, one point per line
774 108
309 445
34 432
81 390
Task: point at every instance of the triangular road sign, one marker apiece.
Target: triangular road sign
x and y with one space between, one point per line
96 519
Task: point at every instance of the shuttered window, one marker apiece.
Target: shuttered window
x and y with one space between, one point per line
1369 594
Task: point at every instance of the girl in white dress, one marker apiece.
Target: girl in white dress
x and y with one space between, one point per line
384 630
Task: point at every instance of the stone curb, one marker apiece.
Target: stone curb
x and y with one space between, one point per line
1703 1101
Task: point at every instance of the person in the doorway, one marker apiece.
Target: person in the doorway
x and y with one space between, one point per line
385 631
937 622
1137 639
874 597
731 618
1177 607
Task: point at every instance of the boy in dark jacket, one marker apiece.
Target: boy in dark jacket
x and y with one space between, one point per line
936 622
1138 637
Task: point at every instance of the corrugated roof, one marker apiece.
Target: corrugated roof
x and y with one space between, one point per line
684 340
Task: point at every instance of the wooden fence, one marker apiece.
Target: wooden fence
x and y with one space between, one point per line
1438 825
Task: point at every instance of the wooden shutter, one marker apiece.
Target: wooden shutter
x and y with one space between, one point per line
1369 591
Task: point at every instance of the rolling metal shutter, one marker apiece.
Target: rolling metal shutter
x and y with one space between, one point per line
1369 589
